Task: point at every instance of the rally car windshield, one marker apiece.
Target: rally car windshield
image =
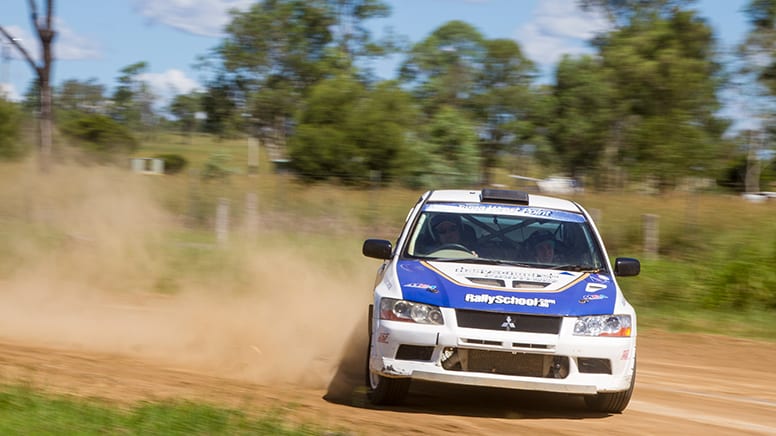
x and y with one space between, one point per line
520 236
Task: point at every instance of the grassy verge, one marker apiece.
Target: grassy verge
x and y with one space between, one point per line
24 411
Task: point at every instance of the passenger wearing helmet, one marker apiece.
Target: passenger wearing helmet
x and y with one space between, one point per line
541 244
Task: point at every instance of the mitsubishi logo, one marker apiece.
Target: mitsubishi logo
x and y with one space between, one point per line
508 324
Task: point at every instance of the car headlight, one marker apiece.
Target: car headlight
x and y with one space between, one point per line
603 325
403 310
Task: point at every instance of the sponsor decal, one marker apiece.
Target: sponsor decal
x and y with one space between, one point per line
514 274
495 208
383 337
595 287
418 285
625 355
509 210
426 286
509 299
592 297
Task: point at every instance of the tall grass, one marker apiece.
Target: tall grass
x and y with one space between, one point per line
716 252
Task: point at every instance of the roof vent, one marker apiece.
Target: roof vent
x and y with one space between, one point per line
504 196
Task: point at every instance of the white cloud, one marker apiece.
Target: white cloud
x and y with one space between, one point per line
200 17
8 92
558 27
168 84
69 45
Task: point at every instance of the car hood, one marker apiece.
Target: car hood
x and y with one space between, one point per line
506 288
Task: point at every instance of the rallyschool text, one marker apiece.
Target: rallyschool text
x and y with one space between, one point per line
508 299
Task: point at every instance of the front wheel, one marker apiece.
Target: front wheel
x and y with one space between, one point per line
611 402
383 391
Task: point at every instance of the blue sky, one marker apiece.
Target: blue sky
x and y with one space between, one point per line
97 38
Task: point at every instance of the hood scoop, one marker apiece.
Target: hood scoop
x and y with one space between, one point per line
498 283
521 284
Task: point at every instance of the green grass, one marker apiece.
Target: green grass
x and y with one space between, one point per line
25 411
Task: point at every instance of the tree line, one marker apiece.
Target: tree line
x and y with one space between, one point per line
644 106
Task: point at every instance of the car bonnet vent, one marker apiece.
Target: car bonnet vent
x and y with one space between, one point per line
504 196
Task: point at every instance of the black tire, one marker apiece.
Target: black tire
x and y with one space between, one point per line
383 391
611 402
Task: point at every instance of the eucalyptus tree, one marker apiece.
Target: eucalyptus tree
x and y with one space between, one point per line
443 68
579 125
352 36
501 101
277 50
758 84
271 55
75 95
487 81
662 61
133 100
185 108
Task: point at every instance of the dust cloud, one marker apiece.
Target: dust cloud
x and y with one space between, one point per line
83 249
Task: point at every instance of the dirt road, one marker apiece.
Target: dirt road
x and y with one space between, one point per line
687 384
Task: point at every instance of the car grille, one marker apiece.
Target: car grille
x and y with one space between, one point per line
505 363
508 321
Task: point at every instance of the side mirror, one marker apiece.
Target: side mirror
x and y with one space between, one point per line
377 248
626 267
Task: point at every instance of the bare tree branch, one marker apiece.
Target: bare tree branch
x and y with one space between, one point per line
46 35
19 47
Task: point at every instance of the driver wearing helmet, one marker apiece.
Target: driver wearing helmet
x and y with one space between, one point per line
446 228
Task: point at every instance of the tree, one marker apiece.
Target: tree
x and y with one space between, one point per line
758 83
662 62
453 145
442 69
81 96
185 108
353 38
218 103
133 99
501 101
46 34
580 124
320 147
488 81
271 56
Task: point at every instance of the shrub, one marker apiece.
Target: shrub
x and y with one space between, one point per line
173 163
10 119
100 134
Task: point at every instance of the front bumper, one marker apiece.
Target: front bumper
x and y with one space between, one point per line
560 362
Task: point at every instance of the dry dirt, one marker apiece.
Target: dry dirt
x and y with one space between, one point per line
295 341
687 384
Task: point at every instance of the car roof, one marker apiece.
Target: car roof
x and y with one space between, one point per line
475 196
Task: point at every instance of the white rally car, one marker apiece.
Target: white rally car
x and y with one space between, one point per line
502 289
